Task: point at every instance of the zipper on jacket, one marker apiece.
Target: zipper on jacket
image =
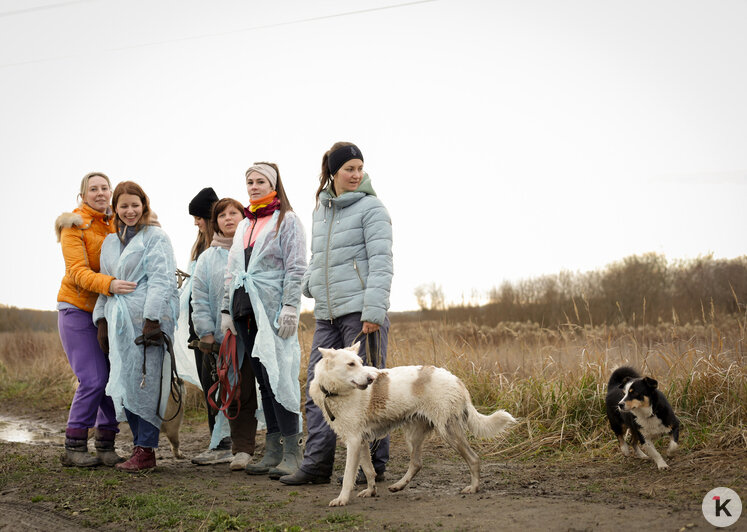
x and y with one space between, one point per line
357 271
326 267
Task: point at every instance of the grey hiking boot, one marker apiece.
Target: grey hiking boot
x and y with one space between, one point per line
76 454
272 457
292 456
213 456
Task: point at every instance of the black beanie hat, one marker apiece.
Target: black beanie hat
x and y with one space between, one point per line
340 156
202 204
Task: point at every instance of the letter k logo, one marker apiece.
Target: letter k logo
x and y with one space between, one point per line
721 506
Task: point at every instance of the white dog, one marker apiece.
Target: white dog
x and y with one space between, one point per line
363 403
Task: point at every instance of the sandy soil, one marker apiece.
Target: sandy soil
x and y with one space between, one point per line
572 492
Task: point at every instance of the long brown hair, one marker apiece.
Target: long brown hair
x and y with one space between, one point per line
130 187
285 205
219 207
202 242
325 178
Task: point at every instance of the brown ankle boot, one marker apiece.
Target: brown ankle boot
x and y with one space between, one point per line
142 459
105 448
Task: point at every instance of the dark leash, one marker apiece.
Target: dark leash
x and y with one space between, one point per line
373 348
210 352
327 394
160 339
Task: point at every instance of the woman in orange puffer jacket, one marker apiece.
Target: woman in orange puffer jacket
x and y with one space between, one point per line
81 233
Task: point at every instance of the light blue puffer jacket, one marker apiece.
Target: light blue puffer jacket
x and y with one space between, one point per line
351 255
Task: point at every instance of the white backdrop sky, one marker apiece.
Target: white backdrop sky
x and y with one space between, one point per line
508 139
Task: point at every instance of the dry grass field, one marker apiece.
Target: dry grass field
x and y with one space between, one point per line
554 380
561 455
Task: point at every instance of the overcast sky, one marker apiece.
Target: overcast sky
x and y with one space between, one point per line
508 139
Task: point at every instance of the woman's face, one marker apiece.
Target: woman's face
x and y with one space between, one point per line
99 194
349 176
201 224
257 186
129 209
228 220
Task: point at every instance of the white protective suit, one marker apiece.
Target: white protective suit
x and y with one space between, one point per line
148 260
272 279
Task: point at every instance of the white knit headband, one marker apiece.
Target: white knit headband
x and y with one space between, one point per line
267 171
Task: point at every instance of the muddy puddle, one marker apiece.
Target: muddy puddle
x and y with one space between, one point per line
29 431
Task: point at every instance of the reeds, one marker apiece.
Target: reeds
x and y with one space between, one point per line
552 379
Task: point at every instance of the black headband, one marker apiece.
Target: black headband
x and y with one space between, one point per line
340 156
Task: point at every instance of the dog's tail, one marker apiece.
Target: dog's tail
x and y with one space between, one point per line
490 426
619 375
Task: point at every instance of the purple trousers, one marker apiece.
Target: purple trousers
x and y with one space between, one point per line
91 406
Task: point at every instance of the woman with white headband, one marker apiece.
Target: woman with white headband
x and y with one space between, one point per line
266 264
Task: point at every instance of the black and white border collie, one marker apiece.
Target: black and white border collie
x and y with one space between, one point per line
634 403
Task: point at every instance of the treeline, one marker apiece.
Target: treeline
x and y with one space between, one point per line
640 289
14 319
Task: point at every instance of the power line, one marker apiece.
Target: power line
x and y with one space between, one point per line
42 8
232 32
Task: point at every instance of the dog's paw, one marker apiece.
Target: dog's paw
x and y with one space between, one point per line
672 449
640 454
470 489
339 501
397 486
625 450
662 466
368 492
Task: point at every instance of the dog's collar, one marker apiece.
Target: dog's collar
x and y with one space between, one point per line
327 394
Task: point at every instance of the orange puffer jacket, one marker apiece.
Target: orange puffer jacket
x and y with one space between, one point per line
82 232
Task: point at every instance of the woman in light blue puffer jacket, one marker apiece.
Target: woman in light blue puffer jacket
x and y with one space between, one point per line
349 278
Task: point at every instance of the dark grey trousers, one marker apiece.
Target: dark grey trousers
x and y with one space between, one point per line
319 455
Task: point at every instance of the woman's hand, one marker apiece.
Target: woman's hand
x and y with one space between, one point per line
122 287
369 327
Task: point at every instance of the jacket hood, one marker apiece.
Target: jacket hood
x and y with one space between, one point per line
348 198
80 217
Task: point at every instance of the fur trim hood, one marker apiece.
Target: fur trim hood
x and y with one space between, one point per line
65 220
80 218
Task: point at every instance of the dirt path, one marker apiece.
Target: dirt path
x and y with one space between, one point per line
572 493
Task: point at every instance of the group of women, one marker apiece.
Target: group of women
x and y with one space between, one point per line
119 305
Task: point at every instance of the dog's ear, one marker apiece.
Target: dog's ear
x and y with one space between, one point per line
355 347
651 383
327 353
625 381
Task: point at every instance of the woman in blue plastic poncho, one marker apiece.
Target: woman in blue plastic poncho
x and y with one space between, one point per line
208 290
139 252
266 264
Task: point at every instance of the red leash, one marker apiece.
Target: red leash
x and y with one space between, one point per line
227 358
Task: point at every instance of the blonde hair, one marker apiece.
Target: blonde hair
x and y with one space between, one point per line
87 178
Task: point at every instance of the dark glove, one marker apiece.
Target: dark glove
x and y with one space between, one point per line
103 335
152 334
